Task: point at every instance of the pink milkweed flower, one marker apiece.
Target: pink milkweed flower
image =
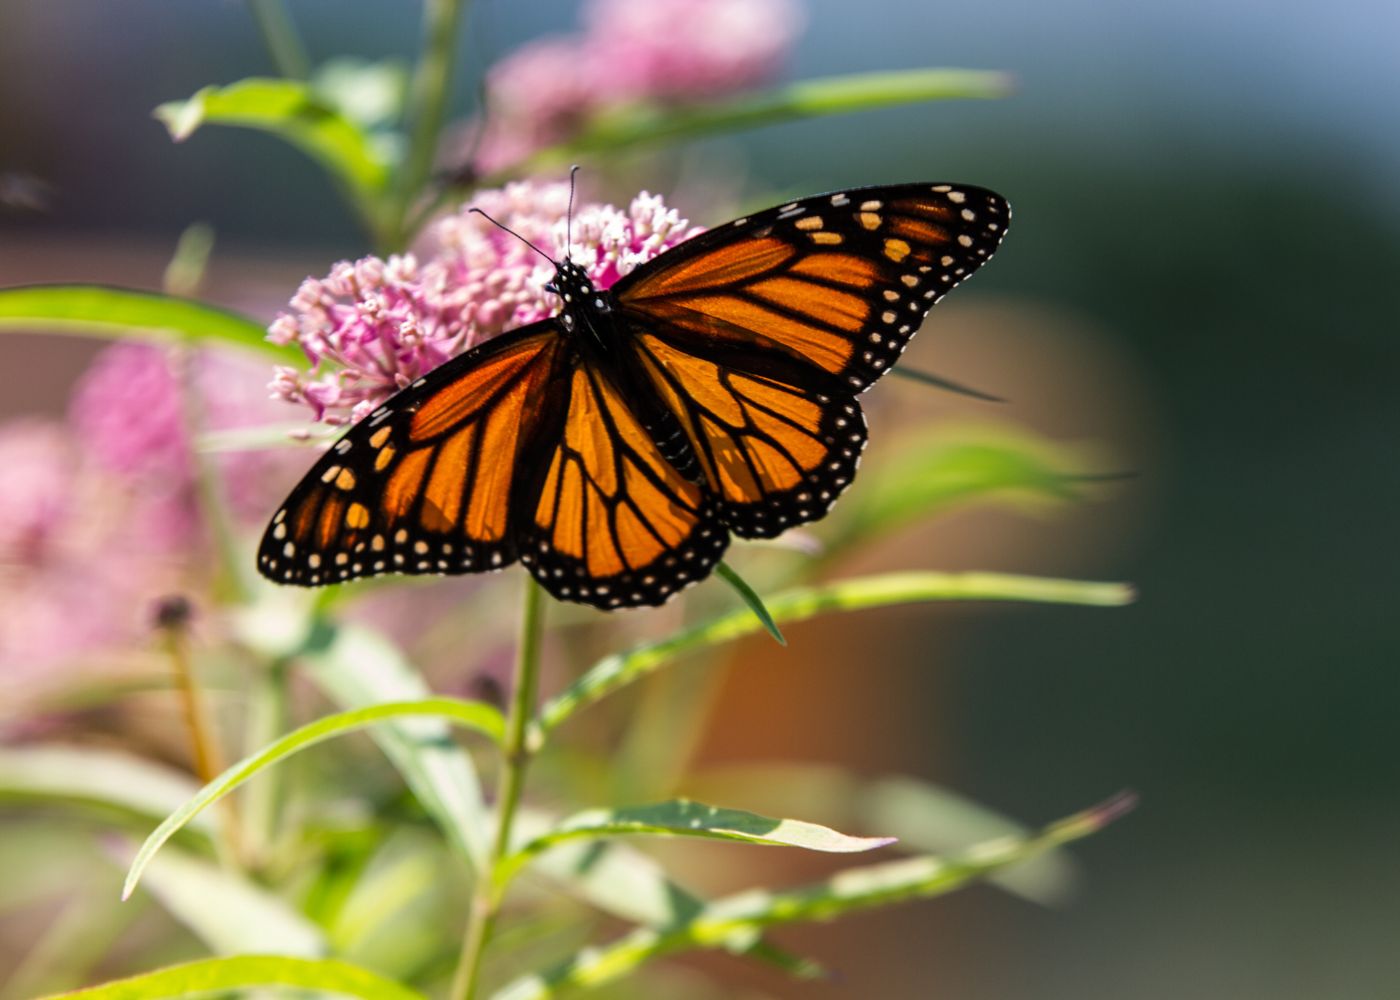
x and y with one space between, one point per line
82 553
661 51
684 50
372 327
133 409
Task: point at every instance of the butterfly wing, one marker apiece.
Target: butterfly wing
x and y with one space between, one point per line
772 453
610 521
424 484
836 284
758 335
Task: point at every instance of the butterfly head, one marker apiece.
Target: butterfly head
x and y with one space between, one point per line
572 284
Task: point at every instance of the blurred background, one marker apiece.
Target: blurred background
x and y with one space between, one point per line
1198 286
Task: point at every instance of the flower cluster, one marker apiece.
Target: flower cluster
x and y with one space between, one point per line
101 516
373 326
669 51
81 553
133 409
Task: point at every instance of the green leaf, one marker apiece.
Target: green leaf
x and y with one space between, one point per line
946 384
483 718
226 911
250 972
89 777
950 469
613 672
926 818
683 818
751 598
626 883
371 94
296 113
357 666
125 313
741 916
645 125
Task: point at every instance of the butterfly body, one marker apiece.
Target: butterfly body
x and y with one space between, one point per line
614 448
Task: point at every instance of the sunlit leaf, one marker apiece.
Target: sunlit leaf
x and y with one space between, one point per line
648 125
296 113
357 666
483 718
955 468
740 916
799 603
926 818
683 818
226 911
251 972
371 94
88 777
128 314
626 883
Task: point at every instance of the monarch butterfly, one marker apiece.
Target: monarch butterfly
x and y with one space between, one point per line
614 447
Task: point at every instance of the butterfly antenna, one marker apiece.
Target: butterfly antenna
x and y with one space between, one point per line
515 234
569 223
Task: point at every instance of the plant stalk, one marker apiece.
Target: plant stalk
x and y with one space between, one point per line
432 85
515 759
172 618
280 36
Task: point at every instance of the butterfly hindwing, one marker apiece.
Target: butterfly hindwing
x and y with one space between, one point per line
838 282
611 522
424 484
773 455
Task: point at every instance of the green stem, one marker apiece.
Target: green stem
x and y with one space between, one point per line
432 86
281 38
515 759
267 720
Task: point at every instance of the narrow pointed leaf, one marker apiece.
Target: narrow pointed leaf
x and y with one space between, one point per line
483 718
751 598
954 469
745 914
130 314
226 911
684 818
800 603
624 882
358 667
88 777
927 818
249 972
643 125
946 384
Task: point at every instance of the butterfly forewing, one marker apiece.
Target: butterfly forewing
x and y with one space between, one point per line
425 483
837 282
758 335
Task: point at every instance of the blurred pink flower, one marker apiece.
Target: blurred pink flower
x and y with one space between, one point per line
372 327
666 51
131 416
679 50
82 554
